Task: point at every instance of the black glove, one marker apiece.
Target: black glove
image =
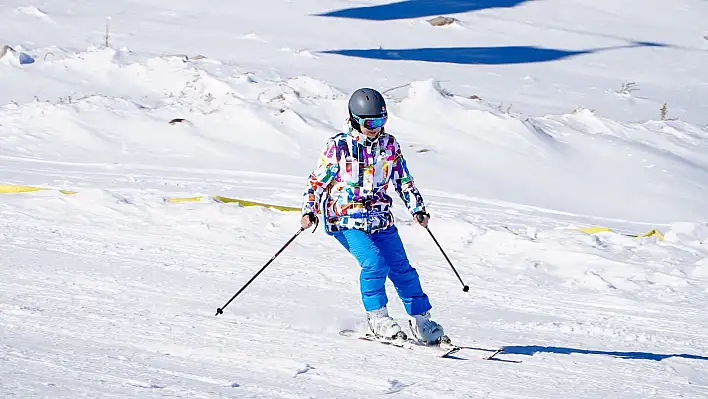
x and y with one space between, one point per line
420 215
313 219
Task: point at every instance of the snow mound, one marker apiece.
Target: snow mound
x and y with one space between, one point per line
690 234
32 11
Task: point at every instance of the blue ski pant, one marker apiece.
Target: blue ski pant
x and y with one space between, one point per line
382 255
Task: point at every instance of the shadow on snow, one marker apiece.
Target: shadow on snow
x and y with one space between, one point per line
477 55
532 350
419 8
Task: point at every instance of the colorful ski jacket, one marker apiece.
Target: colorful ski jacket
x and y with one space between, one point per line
351 179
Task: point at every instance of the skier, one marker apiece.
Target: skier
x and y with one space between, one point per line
353 173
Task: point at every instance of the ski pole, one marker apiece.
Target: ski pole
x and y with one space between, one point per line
221 309
465 287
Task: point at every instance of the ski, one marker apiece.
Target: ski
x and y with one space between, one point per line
496 352
401 343
447 348
406 343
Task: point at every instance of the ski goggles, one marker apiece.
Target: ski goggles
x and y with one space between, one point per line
371 123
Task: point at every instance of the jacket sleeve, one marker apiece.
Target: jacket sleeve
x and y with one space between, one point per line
403 183
323 175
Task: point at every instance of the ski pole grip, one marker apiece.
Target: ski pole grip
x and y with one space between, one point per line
315 220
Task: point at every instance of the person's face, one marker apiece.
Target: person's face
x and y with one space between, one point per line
370 133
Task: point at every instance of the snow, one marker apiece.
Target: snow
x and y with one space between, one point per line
522 122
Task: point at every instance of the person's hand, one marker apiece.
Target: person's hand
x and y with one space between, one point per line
422 218
308 220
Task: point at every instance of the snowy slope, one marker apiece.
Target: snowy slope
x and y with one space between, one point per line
111 292
114 295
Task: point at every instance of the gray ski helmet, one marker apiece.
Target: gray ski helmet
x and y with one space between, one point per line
366 102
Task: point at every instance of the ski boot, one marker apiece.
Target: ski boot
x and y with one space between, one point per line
384 326
428 331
